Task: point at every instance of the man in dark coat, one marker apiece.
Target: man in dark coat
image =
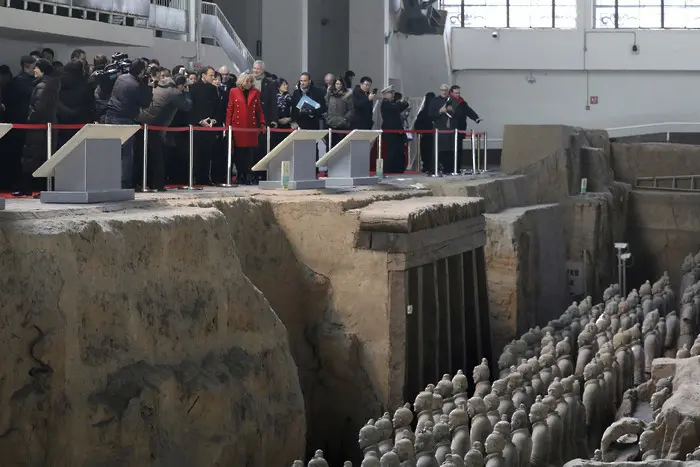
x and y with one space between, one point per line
307 118
205 108
130 94
363 105
42 109
462 111
169 97
16 101
76 101
394 142
267 85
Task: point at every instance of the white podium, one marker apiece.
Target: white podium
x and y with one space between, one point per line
348 161
4 129
88 168
299 148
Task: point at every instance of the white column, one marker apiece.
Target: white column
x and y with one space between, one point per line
304 36
387 50
366 37
284 37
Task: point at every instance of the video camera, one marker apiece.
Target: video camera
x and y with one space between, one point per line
121 63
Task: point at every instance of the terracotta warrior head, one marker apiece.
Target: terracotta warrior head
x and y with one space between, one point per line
390 459
519 418
534 364
475 456
424 440
318 460
404 449
500 387
546 361
555 389
458 417
495 443
538 411
525 370
437 400
444 386
491 401
459 382
503 427
590 371
563 348
514 381
385 426
423 402
297 463
441 430
475 406
369 435
482 372
403 416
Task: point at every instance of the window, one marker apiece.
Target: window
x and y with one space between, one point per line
559 14
632 14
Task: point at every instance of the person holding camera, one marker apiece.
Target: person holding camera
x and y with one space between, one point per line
393 105
205 109
363 105
131 93
170 95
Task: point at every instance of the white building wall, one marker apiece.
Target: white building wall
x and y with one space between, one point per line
367 40
555 76
285 37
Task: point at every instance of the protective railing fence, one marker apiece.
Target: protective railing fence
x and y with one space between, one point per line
478 144
215 26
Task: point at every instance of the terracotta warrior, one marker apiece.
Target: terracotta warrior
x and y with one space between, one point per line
459 387
445 388
371 460
492 401
406 452
548 369
403 417
556 392
672 328
481 426
390 459
585 352
459 429
423 406
637 354
482 376
520 437
386 431
650 442
651 344
453 460
505 405
591 401
516 386
425 448
494 450
298 463
437 406
510 454
683 352
541 440
369 439
441 434
556 431
563 352
318 460
475 456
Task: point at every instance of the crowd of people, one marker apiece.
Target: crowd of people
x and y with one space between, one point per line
119 90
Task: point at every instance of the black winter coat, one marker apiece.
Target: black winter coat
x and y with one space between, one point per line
129 95
205 102
309 120
42 109
76 101
16 99
362 110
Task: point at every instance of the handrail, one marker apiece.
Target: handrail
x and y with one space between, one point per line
213 9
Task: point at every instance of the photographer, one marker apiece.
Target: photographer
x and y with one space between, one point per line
101 81
363 105
169 96
130 94
393 105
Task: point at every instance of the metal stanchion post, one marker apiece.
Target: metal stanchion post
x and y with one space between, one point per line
49 153
478 152
473 154
455 168
229 160
486 153
144 180
269 140
420 156
437 150
191 186
330 139
379 166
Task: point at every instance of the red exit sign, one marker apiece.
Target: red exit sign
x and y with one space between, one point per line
594 100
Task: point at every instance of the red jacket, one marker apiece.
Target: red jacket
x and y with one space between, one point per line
242 114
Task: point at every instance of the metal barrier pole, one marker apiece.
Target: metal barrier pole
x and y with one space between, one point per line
330 139
191 186
437 149
269 140
478 152
473 154
229 160
455 168
49 153
379 166
420 156
486 153
145 161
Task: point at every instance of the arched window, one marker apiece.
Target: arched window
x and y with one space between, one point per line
526 14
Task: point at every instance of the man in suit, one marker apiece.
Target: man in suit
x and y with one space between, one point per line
205 106
268 100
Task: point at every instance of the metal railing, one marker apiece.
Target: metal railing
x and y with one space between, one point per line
685 183
241 55
177 4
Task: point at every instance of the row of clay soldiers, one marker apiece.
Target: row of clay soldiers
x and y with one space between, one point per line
571 373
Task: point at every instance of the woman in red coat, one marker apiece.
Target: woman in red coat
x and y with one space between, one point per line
244 111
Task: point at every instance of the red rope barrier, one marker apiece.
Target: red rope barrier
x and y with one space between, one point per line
43 126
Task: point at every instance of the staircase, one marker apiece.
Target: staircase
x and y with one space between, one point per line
167 18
